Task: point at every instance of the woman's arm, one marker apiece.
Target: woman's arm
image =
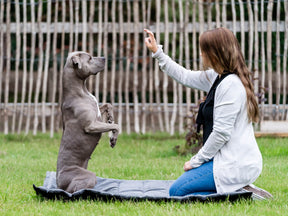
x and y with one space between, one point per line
201 80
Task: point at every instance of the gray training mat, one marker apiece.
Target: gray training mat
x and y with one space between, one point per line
137 190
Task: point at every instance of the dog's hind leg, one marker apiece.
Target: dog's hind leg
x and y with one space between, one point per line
84 180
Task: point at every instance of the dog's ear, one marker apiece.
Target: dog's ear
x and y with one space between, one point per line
76 61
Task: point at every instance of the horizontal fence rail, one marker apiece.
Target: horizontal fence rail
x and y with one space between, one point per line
189 28
36 37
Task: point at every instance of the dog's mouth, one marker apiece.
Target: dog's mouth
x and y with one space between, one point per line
99 64
98 70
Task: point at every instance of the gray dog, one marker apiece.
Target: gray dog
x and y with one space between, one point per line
83 123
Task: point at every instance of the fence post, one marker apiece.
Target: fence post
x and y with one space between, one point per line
40 67
1 49
180 87
144 73
127 69
278 61
18 46
8 68
156 68
114 51
121 65
165 76
46 68
284 62
31 69
269 51
54 72
175 84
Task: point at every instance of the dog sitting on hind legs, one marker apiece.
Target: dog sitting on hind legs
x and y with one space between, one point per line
83 123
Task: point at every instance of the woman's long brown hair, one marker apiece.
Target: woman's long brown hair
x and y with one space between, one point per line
222 50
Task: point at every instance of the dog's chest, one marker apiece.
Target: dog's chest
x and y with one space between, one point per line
95 100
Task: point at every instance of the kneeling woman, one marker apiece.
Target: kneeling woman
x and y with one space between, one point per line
230 158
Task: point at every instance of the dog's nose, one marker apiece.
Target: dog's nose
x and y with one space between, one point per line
101 59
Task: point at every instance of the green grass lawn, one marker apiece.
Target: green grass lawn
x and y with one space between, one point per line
24 161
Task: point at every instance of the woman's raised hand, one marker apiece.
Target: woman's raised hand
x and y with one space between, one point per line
150 41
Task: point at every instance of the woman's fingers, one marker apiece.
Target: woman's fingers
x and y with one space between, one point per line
149 33
150 37
147 41
150 41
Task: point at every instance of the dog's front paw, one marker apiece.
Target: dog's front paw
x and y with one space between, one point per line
113 141
110 119
113 136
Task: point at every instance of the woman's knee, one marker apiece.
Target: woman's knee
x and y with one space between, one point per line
174 190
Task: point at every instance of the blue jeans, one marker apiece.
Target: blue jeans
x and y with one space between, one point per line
198 181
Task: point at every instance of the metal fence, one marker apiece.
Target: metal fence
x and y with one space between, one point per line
36 37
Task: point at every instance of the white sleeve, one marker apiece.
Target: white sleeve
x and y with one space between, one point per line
201 80
229 97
